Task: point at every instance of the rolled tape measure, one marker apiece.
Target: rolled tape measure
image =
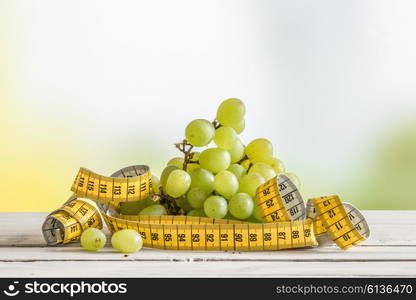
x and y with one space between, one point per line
344 223
279 200
289 223
66 224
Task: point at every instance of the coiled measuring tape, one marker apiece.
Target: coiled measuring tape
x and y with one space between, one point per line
66 224
344 223
289 224
279 200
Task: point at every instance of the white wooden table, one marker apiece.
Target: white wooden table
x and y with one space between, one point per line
390 251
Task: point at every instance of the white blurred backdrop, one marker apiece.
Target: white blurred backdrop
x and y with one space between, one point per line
104 84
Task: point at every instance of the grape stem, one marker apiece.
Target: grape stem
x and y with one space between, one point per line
243 159
216 124
170 204
186 148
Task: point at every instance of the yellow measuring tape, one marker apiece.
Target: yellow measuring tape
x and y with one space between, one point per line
344 223
289 223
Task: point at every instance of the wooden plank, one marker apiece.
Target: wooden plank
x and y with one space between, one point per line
206 269
22 229
322 254
391 251
388 228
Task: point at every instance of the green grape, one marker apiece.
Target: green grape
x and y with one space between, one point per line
257 213
92 239
215 207
250 182
165 174
155 184
154 210
259 150
184 204
293 178
277 165
215 159
239 127
176 161
226 184
236 152
195 157
241 206
196 197
191 167
127 241
134 207
263 169
202 179
231 112
199 132
225 137
246 164
237 170
178 183
196 213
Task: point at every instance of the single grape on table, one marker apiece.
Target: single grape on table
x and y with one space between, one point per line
127 241
93 239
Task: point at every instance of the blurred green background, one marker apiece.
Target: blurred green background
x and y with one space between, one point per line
106 84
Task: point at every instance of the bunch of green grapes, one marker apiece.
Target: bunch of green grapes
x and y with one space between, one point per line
220 180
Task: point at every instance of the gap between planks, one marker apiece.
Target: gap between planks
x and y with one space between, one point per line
196 260
208 269
321 254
